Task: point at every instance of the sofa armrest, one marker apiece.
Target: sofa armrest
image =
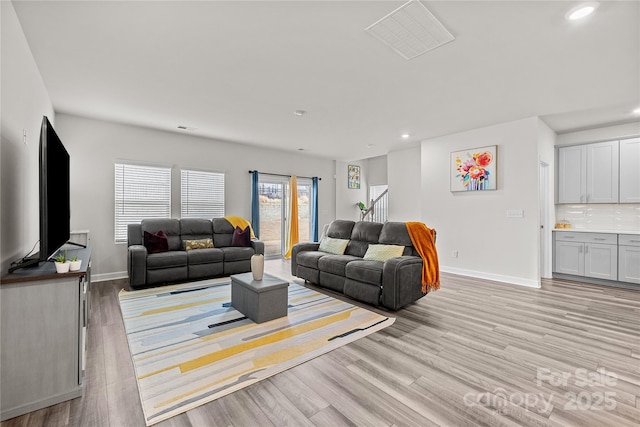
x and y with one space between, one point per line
258 246
301 247
137 265
401 281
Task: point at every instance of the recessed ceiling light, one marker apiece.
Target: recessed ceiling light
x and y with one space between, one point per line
636 111
405 135
581 11
369 145
299 113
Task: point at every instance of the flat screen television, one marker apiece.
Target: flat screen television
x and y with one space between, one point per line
55 211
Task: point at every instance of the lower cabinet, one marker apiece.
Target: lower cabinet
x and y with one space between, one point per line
629 258
586 254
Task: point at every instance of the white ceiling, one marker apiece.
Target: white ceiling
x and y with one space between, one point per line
237 70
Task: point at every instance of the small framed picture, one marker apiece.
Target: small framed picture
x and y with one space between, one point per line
353 176
474 169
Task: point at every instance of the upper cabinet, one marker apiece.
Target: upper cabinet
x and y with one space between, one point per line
588 173
630 170
604 172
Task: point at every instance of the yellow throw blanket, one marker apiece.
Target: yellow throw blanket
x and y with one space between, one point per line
423 239
238 221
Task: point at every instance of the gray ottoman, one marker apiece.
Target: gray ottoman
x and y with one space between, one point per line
259 300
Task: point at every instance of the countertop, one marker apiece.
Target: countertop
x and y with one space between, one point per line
590 230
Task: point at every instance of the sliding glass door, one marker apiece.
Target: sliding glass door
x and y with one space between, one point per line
274 213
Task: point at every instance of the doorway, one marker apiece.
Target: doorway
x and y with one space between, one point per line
545 227
275 211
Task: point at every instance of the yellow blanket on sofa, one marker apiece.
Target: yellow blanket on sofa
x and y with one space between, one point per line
238 221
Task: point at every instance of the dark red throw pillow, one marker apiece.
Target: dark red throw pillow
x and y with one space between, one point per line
241 237
156 243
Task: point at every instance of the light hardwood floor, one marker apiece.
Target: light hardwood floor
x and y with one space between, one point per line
473 353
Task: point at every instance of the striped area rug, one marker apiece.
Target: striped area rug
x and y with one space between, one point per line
189 346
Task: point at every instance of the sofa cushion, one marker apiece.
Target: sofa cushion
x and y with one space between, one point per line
309 258
241 237
195 229
190 245
167 260
340 229
170 226
365 271
383 252
363 233
237 253
335 264
333 246
222 232
395 233
156 242
205 256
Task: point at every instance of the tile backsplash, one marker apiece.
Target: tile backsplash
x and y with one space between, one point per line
614 217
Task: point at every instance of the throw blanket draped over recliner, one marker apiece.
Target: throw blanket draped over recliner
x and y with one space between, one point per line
371 262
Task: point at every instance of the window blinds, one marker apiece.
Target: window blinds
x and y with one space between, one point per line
140 192
202 194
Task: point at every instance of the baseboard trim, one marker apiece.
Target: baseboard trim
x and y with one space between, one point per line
490 276
34 406
109 276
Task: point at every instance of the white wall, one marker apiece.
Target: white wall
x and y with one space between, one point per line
404 178
95 145
475 224
376 171
24 101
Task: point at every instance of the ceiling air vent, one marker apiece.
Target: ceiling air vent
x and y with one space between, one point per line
410 30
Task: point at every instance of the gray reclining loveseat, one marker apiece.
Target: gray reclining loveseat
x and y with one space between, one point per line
178 264
392 283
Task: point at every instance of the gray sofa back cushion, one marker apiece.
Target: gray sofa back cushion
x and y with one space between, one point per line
222 232
340 229
195 229
170 226
395 233
362 234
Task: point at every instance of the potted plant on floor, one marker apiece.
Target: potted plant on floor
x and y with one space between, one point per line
61 262
74 264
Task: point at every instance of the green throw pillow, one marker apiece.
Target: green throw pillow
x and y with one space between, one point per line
333 246
190 245
383 252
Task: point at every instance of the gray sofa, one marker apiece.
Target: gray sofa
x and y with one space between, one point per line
392 284
177 264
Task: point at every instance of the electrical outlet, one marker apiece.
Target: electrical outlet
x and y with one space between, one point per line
454 254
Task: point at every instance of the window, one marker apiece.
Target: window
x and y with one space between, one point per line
141 192
202 194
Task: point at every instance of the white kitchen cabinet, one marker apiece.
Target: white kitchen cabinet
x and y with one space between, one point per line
630 170
586 254
629 258
588 173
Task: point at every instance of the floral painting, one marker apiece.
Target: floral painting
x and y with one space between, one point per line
353 176
474 170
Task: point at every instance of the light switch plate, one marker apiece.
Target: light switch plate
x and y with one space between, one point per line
515 213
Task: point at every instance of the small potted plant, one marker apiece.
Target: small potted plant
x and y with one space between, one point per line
61 262
74 264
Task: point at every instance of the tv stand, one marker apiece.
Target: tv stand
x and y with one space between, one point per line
44 317
69 242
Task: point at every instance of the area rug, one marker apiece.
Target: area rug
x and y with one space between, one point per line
189 346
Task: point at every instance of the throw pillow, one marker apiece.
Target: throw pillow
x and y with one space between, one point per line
333 246
190 245
241 237
383 252
156 243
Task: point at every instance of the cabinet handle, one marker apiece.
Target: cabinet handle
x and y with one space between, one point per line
586 249
571 237
634 241
599 238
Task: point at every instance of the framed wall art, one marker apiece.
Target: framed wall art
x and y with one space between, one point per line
353 176
474 169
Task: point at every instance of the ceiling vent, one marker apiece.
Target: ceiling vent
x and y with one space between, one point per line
410 30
